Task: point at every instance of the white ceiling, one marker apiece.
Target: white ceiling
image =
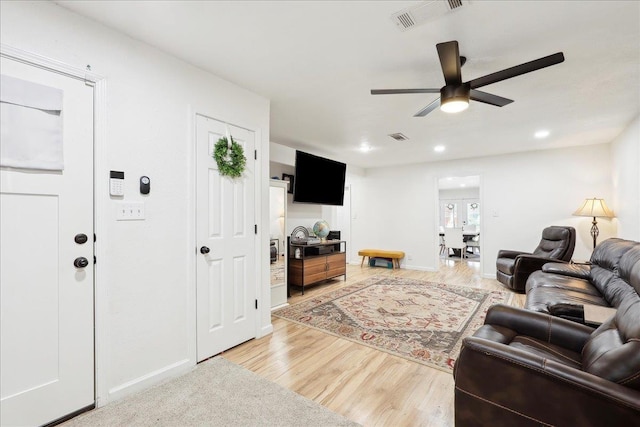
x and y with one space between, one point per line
317 61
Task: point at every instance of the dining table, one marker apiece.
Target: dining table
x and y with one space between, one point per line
466 236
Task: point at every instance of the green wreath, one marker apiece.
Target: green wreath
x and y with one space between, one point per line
231 161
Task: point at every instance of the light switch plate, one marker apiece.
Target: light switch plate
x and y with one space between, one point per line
130 211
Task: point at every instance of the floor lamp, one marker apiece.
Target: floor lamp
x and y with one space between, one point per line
594 208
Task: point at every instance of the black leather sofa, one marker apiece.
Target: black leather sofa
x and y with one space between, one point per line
526 367
514 267
562 289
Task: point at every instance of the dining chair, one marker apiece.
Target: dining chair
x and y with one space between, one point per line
454 239
474 243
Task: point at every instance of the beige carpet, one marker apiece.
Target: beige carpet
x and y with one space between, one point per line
216 393
277 272
420 321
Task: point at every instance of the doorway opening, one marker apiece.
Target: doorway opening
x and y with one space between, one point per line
460 220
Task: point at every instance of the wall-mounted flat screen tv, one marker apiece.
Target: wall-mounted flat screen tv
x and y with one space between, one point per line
318 180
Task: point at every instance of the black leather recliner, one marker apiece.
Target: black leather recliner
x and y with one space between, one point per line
524 368
514 267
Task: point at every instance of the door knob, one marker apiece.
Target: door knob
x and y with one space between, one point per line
204 250
80 262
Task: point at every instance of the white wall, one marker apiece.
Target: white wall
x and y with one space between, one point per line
520 195
625 153
301 214
459 194
146 271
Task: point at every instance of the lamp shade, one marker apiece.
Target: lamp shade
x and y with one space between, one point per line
594 208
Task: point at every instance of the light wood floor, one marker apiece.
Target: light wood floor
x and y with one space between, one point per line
367 386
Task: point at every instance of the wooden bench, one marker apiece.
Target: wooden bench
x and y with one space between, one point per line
394 256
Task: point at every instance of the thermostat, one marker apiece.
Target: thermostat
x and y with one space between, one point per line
116 183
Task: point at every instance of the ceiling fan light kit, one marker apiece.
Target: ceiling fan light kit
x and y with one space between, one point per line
454 99
455 95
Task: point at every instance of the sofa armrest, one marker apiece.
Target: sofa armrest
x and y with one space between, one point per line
525 265
541 326
579 271
499 385
505 253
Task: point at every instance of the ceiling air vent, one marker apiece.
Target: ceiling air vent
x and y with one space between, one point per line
405 20
424 12
399 137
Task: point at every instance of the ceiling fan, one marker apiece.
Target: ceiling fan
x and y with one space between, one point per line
455 95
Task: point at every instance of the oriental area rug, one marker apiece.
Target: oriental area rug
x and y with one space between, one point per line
421 321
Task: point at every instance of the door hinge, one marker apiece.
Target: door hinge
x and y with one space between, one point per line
255 227
94 259
256 304
255 154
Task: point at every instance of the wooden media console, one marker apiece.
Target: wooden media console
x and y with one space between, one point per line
316 262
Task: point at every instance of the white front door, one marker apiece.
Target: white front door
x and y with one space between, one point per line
46 341
226 239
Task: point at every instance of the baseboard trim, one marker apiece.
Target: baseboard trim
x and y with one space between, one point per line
279 306
174 370
70 416
266 330
419 268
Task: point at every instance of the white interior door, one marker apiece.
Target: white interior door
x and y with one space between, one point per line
226 274
46 341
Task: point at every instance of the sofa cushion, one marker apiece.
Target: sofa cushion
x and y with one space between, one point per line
541 279
605 260
608 253
617 291
545 349
581 271
557 242
613 351
629 267
540 299
505 265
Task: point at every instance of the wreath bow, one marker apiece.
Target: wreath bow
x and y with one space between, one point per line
229 157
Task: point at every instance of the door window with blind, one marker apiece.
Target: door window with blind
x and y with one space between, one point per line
458 213
473 214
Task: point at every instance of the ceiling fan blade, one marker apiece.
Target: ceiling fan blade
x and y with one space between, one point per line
450 61
489 98
396 91
429 108
508 73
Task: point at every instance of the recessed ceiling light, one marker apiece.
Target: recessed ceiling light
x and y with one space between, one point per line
541 134
365 148
439 148
463 185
